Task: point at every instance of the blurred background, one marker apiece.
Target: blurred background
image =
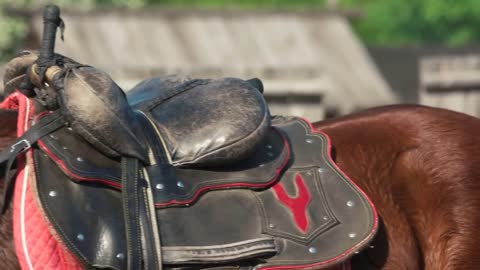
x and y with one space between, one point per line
316 58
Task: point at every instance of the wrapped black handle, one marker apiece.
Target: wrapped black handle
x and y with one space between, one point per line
51 21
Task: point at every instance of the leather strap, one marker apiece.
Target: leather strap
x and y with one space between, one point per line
46 125
140 224
131 198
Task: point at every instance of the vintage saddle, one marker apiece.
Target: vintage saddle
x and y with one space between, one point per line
188 174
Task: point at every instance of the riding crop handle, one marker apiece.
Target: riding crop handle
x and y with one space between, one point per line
51 20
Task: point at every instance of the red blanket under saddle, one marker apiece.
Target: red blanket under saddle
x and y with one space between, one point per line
36 244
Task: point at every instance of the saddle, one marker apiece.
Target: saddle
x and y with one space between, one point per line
187 173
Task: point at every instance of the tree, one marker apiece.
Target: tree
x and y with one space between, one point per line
414 22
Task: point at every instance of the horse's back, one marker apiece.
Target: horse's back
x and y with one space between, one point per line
421 167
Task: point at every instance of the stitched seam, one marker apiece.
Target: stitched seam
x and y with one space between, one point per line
137 203
126 210
178 90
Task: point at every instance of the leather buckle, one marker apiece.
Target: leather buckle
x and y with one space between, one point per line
25 146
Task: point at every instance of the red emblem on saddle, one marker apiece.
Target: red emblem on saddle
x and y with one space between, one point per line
297 205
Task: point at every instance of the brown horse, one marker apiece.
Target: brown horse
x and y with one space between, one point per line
419 165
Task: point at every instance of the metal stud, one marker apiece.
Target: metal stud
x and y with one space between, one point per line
270 154
356 252
312 250
325 218
159 186
79 159
120 256
350 203
261 165
81 237
271 226
64 148
320 170
309 173
52 193
53 137
70 129
309 140
371 246
352 235
269 146
180 184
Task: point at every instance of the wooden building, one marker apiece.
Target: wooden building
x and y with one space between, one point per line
451 82
311 63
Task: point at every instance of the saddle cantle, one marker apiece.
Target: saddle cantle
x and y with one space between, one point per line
230 192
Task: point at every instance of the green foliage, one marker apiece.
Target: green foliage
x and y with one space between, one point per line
12 31
251 4
414 22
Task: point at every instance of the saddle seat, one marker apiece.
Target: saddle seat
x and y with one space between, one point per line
199 122
204 122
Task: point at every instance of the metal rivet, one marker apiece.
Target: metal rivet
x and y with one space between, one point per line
271 226
270 154
352 235
120 256
180 184
325 218
46 84
309 140
309 173
81 237
53 137
350 203
52 193
371 246
269 146
79 159
320 170
70 129
356 252
64 148
261 165
312 250
159 186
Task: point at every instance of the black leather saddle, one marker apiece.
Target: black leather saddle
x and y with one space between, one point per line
190 174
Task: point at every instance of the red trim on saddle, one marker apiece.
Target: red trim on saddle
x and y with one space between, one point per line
72 175
297 205
349 251
200 191
173 202
36 245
